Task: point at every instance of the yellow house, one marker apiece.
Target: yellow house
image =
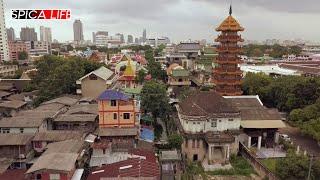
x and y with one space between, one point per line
118 110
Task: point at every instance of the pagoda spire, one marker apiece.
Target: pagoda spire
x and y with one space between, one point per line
230 10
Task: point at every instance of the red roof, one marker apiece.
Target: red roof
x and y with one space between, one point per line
148 77
17 174
135 167
140 59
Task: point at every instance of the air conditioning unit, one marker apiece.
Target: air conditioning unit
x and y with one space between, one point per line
22 156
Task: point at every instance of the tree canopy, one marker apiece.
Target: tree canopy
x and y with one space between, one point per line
56 75
154 99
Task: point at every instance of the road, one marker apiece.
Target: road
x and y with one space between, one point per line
305 142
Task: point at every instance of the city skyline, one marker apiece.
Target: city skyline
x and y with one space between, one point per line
179 20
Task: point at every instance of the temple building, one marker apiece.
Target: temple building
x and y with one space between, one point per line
227 74
128 78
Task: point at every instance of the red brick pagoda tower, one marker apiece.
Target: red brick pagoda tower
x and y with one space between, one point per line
227 75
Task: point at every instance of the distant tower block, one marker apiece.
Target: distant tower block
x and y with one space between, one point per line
227 74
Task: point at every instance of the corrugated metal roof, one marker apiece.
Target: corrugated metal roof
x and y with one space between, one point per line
263 124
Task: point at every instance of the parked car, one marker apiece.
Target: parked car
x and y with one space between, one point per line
285 137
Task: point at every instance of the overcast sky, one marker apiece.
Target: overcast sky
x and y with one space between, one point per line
177 19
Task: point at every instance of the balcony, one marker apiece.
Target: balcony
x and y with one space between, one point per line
235 71
229 38
235 49
226 82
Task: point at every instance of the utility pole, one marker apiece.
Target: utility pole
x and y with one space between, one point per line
310 165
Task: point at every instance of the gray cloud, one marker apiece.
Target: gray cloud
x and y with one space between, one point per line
179 19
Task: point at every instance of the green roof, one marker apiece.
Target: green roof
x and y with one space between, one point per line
180 73
136 90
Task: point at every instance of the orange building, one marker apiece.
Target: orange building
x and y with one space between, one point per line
118 110
227 74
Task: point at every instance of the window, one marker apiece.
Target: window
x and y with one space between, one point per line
198 143
54 176
115 116
21 130
126 115
195 157
214 123
113 103
193 143
230 119
186 143
93 77
5 130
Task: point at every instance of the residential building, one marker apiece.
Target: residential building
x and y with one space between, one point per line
10 34
8 70
95 82
226 74
32 121
42 139
121 37
28 34
130 39
16 47
10 108
209 124
45 34
117 110
170 164
36 48
141 164
260 124
79 117
190 49
4 50
61 160
155 42
16 146
136 40
178 76
78 31
100 38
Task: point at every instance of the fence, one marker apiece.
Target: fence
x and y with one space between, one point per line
258 166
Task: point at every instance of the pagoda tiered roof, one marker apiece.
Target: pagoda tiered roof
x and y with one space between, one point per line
230 24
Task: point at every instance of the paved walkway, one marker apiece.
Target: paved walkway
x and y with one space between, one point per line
305 142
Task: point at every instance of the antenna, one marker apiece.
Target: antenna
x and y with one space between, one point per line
230 9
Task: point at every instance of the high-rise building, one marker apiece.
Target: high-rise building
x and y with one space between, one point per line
102 34
130 39
4 50
227 74
136 40
28 34
45 34
10 34
121 36
144 35
78 31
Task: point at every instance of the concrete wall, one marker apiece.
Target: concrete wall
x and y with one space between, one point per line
93 88
222 124
188 150
106 114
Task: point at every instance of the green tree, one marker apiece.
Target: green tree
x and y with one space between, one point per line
154 99
23 55
296 167
175 141
141 75
56 76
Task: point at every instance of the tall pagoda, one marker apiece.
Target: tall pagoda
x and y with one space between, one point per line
227 74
